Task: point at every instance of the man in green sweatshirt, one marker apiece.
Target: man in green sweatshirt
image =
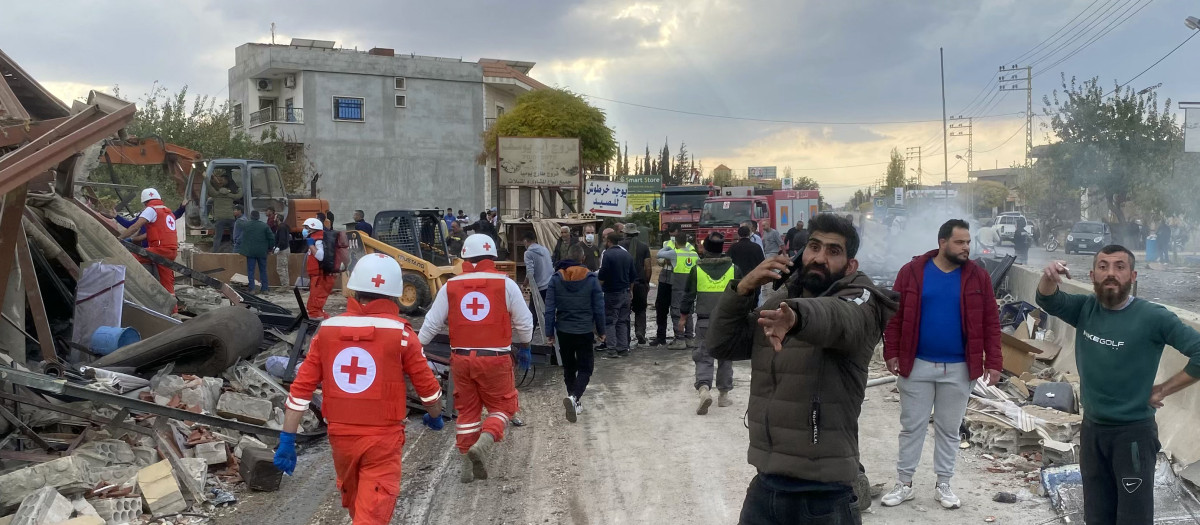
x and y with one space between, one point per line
1119 340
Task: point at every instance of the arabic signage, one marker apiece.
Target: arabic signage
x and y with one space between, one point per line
644 192
761 172
541 162
605 198
899 196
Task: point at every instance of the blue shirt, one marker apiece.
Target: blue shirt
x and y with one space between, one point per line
449 218
941 336
365 227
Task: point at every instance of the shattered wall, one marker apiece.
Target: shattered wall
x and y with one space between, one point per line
1180 417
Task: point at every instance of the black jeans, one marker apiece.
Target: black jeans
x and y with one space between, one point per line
640 291
765 506
1117 463
662 309
578 361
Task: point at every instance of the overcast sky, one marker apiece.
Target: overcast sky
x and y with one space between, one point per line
865 62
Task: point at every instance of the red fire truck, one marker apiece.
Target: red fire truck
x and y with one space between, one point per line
729 207
681 205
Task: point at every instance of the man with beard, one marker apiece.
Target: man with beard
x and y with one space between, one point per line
946 335
809 348
1118 344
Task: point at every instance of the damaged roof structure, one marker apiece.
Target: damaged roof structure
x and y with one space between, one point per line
93 426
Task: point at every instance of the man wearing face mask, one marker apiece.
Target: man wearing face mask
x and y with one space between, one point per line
809 346
591 250
1118 345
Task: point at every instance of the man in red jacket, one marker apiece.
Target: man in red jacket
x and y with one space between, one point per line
940 290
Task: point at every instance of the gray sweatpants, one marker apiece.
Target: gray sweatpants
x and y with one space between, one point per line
704 363
676 300
944 389
616 320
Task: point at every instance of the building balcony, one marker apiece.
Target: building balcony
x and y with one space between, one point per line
277 115
488 123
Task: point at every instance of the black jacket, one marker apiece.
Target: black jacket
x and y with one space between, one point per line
746 255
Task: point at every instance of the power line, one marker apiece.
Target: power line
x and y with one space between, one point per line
1106 30
1060 29
773 121
1156 62
1083 27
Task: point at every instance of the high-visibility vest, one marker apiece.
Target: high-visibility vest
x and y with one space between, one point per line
364 358
685 259
161 232
706 284
478 314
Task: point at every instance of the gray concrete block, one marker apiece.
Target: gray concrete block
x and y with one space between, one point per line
119 511
68 475
167 385
114 474
106 452
247 442
83 507
145 456
213 453
43 507
244 408
258 469
196 468
159 489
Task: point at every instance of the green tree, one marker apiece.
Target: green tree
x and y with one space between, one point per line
1119 143
805 183
200 124
681 170
664 166
555 113
893 177
986 195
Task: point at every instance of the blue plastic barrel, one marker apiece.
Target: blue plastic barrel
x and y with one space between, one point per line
1151 250
106 339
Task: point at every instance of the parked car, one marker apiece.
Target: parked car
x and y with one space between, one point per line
1006 224
1087 236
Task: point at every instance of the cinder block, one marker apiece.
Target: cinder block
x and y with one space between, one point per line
84 508
244 408
247 442
196 468
118 511
160 490
213 453
84 520
145 456
118 474
106 452
43 507
258 469
68 475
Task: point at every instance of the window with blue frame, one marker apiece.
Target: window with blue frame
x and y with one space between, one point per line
348 108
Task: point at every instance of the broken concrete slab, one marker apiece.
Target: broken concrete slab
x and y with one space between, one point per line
145 456
115 474
196 468
84 520
118 511
1059 425
244 408
106 452
213 452
159 489
84 508
247 442
68 475
258 469
44 506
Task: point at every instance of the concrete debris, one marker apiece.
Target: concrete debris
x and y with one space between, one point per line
166 385
997 437
1004 497
84 520
213 453
106 452
247 442
196 468
84 508
244 408
69 475
258 469
202 393
43 507
118 511
1058 425
159 489
118 474
198 300
144 456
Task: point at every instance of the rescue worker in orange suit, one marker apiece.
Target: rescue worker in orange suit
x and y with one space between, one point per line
359 360
320 284
486 312
161 237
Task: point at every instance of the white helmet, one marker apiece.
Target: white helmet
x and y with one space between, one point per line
477 245
378 274
150 194
313 224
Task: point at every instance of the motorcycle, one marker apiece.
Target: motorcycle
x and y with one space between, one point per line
1051 244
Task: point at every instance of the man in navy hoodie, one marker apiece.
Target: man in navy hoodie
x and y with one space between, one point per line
574 312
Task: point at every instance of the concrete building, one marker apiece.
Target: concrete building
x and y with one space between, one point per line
385 131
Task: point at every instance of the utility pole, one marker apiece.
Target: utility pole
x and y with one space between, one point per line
1011 80
945 130
965 130
914 153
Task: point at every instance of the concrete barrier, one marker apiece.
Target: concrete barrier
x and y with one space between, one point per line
1180 417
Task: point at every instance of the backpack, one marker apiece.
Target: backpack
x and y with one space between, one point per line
338 244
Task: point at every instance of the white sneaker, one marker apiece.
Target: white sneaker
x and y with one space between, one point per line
578 408
946 497
899 494
571 407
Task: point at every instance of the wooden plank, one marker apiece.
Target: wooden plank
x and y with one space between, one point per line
33 293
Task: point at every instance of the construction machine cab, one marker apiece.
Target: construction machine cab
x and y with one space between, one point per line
421 233
258 183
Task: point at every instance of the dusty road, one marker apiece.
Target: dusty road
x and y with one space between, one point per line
1172 285
638 454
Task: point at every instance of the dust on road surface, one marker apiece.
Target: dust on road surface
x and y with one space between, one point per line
638 454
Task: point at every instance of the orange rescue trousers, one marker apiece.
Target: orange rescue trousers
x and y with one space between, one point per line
368 474
166 276
482 381
319 288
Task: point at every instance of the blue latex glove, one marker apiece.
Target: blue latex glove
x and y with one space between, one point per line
285 454
524 358
434 423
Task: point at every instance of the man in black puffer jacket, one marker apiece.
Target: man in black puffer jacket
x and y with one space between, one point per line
809 346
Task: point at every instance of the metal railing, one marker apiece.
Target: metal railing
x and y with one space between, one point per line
488 123
272 115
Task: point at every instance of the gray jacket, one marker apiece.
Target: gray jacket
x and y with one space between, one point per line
822 368
539 263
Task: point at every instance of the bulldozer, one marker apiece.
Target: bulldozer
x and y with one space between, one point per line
417 240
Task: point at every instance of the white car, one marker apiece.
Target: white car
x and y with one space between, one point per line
1006 225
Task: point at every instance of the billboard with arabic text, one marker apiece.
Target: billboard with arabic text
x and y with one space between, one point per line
605 198
539 162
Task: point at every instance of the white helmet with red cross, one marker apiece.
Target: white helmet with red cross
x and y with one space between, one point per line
478 245
150 194
378 274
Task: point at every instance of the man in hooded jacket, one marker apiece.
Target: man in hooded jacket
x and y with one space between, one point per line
574 313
